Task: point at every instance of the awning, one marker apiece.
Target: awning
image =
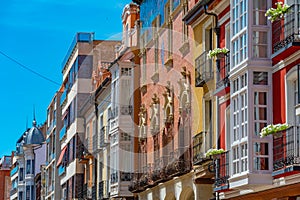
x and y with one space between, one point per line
61 156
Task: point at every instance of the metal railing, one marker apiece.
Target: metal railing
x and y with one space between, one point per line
288 29
223 71
222 169
286 148
203 69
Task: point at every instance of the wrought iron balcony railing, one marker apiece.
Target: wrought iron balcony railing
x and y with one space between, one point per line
223 71
135 185
286 149
287 30
222 171
203 70
197 146
179 162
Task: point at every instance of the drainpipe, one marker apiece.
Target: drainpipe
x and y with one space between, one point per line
216 28
217 31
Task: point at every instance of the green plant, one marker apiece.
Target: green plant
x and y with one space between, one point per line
217 51
274 14
212 152
271 129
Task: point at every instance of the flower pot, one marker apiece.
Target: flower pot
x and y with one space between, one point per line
220 55
277 135
215 156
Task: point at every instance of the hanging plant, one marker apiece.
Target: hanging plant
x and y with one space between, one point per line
217 52
272 129
214 152
274 14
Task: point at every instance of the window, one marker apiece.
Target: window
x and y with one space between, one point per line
20 196
243 14
28 192
125 71
260 111
243 47
244 157
261 153
260 78
21 174
235 53
235 160
208 125
244 115
239 15
259 10
28 167
260 44
235 119
144 68
175 4
125 137
184 26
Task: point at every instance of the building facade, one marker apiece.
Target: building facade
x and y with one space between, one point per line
5 182
30 156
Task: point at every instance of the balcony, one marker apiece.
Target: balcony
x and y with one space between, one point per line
79 37
95 143
222 172
13 191
103 187
223 83
14 171
179 162
62 132
287 39
84 191
114 178
136 186
203 70
61 170
64 97
159 171
94 192
286 152
50 128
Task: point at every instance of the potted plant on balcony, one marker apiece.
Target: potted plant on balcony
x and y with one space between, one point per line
217 52
214 153
275 129
274 14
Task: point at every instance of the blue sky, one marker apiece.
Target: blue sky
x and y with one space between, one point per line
38 34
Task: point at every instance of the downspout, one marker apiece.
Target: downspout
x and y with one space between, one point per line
217 31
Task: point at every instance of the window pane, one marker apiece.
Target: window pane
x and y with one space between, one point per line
261 163
261 148
259 10
260 98
260 44
258 126
260 113
260 78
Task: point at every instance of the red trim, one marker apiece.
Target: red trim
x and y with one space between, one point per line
287 174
